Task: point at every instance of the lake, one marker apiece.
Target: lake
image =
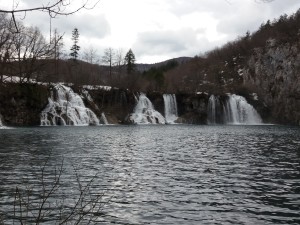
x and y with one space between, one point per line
158 174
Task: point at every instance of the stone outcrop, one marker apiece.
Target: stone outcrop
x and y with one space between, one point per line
115 103
274 72
192 108
21 104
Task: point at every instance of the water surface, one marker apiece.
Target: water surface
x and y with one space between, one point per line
165 174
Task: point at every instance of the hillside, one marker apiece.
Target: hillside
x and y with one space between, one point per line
141 67
263 67
266 62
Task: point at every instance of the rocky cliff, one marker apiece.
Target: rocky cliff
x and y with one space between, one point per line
274 72
24 104
21 104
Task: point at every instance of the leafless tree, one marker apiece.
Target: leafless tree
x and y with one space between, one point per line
5 37
27 51
90 55
108 59
53 8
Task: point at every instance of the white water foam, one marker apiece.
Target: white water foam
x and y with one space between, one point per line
65 107
2 125
144 112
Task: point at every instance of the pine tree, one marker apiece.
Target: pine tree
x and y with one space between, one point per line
75 47
130 61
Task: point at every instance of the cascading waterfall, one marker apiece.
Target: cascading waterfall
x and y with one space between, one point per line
211 109
241 112
231 110
67 108
144 112
1 124
171 113
103 119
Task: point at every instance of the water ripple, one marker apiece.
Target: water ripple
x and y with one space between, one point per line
165 174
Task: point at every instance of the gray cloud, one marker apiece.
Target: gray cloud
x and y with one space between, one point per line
236 16
183 42
222 20
88 25
242 17
91 26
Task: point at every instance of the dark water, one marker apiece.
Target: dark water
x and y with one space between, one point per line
162 174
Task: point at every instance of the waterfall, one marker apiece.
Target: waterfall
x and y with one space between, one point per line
1 124
86 95
242 112
231 110
65 107
144 112
211 110
214 110
170 102
103 119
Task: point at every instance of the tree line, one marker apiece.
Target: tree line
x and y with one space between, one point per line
218 69
26 54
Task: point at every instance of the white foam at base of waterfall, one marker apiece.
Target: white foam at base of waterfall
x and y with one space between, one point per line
65 107
144 112
2 125
171 114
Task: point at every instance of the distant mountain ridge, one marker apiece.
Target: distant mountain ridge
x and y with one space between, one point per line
141 67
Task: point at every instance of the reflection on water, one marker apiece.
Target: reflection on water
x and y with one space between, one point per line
167 174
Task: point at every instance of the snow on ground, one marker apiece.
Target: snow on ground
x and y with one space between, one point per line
16 79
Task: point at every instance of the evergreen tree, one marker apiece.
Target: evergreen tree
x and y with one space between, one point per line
75 47
130 61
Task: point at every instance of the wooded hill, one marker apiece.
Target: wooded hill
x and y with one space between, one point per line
28 55
221 70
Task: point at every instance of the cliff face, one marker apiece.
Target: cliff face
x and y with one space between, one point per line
115 103
21 104
192 108
275 72
118 104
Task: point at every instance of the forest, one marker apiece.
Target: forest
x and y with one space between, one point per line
26 53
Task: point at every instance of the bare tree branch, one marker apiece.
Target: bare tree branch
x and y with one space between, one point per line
56 8
28 209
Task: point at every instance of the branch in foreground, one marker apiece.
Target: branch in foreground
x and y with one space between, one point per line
50 200
54 9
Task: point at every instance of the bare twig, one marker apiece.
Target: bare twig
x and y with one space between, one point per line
86 208
57 8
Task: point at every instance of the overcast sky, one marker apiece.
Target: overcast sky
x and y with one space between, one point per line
157 30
